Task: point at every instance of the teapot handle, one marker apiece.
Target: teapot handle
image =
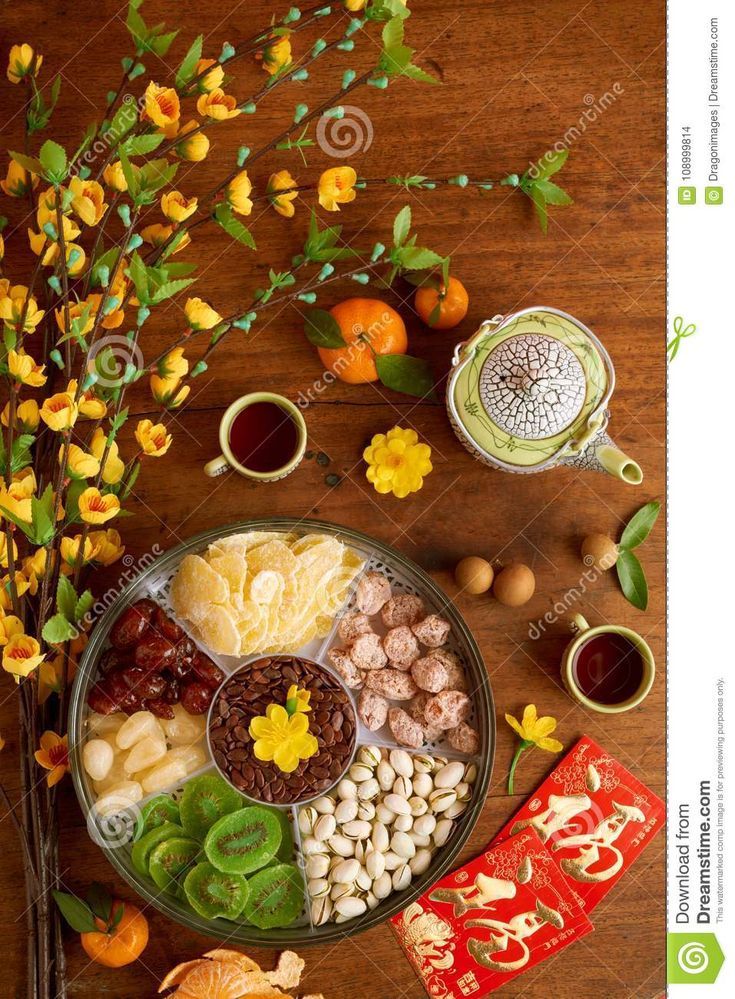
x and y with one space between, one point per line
465 346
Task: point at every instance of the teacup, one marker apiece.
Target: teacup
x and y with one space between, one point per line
608 668
262 436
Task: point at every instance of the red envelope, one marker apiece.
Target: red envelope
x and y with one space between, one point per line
594 816
491 920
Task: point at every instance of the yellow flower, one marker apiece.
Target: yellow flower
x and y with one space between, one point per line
22 655
41 244
4 551
18 181
114 467
24 369
157 234
337 187
10 625
107 545
176 207
169 392
70 550
534 731
94 508
212 79
50 677
114 177
153 438
23 62
200 316
27 416
33 567
2 247
277 55
111 320
90 407
60 411
397 463
16 497
13 306
76 309
195 147
21 586
285 739
89 200
161 105
297 699
238 193
46 212
284 203
174 364
79 464
53 756
218 105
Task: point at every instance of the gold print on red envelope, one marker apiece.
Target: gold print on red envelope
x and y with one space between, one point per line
594 816
486 923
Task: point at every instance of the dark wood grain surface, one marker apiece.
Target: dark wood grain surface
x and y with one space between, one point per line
517 76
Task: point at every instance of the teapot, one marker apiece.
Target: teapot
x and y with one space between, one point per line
530 391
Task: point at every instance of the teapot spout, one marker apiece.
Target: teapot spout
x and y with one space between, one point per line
602 455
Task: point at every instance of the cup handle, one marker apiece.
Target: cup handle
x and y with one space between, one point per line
578 624
216 466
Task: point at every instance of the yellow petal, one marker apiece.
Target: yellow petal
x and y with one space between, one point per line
543 727
285 758
550 745
260 728
264 750
529 718
515 725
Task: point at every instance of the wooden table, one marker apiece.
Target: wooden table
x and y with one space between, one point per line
516 79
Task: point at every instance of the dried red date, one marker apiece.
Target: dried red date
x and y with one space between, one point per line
172 693
208 672
160 708
132 625
144 685
99 700
196 697
113 659
167 626
154 653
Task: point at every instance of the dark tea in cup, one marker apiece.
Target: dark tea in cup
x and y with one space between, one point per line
608 668
264 437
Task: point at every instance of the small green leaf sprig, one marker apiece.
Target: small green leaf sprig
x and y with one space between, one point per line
630 572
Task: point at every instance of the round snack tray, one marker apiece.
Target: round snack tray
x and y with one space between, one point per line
115 833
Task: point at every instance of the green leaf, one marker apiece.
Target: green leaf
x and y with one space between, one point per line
393 32
632 579
402 226
223 216
22 524
553 194
419 75
539 202
322 329
42 513
53 160
141 145
20 455
402 373
122 121
66 598
83 605
58 630
99 901
170 288
29 163
188 64
77 913
131 178
640 525
138 274
549 164
417 258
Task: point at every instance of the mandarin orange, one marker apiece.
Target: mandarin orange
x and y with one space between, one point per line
368 327
123 944
442 308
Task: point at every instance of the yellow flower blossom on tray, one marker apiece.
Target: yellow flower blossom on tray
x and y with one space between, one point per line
200 316
283 203
397 463
193 148
534 731
161 105
212 78
283 738
176 207
153 438
18 181
94 508
238 193
25 370
218 105
297 699
23 62
21 655
53 756
337 187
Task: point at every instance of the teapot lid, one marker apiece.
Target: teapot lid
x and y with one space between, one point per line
527 387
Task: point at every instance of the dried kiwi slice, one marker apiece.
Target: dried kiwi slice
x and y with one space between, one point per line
213 893
141 852
170 859
206 799
155 812
243 841
276 897
286 849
